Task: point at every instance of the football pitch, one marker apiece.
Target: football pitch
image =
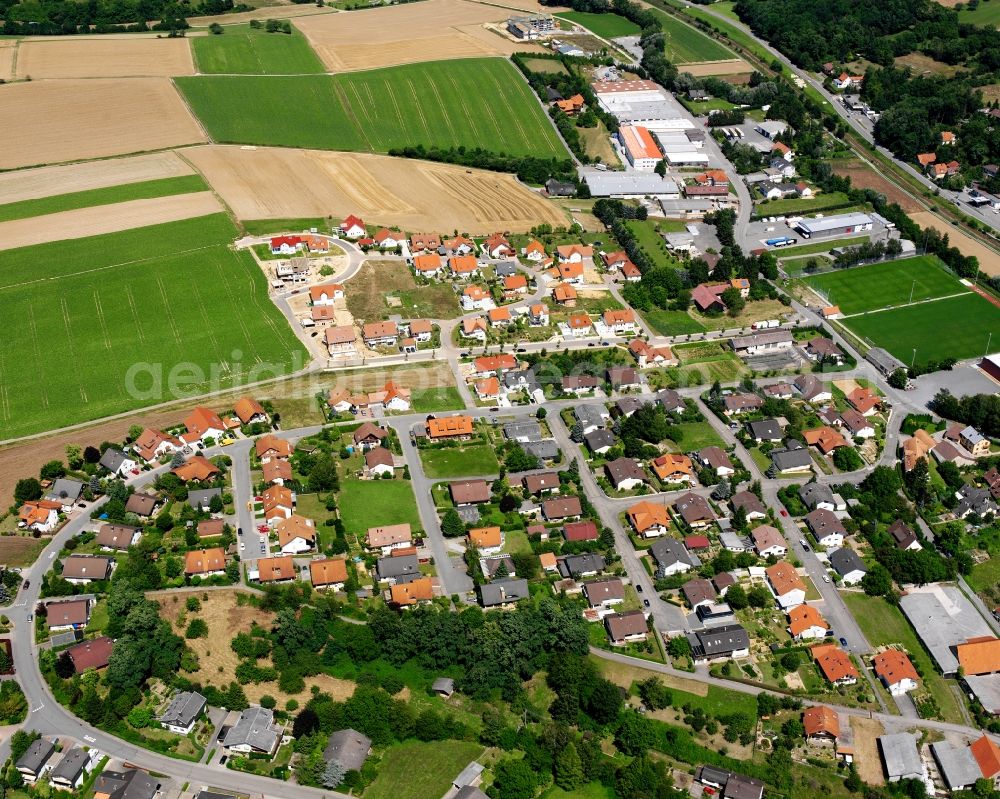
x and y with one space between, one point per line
868 288
953 327
173 297
478 102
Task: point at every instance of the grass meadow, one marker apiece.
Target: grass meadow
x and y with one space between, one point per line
686 44
432 104
172 295
417 770
607 26
467 461
243 50
868 288
375 503
146 189
955 327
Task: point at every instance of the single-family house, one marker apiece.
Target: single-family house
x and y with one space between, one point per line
826 528
328 573
625 628
648 519
788 588
768 541
806 623
695 510
895 670
848 565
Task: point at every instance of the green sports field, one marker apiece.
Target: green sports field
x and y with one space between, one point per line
686 44
607 26
143 190
478 102
868 288
954 327
243 50
173 296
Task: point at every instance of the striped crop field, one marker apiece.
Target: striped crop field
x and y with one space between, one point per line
477 102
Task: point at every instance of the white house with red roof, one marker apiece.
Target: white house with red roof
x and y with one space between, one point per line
285 245
497 246
353 227
387 240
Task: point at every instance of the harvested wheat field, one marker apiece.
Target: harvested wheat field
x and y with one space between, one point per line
8 51
46 181
864 176
405 34
106 219
97 118
277 183
989 261
76 57
702 69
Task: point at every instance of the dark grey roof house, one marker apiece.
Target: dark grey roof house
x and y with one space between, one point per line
202 497
255 731
32 763
349 748
587 563
69 773
399 567
130 784
503 592
183 711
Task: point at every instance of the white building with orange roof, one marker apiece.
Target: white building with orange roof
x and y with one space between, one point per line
428 265
296 534
538 315
476 298
534 251
326 293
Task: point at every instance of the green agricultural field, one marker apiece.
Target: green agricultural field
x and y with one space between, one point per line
686 44
371 503
648 235
815 247
104 196
884 285
111 323
955 327
419 104
243 50
468 461
607 26
416 770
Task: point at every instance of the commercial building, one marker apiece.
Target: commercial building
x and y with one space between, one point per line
836 225
943 618
641 151
627 185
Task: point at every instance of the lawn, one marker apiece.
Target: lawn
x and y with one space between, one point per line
985 575
801 205
607 26
883 623
592 790
143 190
987 14
442 398
416 770
729 30
264 227
378 110
367 292
671 323
107 324
374 503
685 44
243 50
698 435
20 551
468 461
648 232
867 288
955 327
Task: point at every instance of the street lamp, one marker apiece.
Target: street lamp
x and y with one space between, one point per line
989 341
914 360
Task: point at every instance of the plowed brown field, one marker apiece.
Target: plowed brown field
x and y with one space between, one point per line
74 57
431 30
106 219
29 184
49 122
989 261
278 183
865 177
8 49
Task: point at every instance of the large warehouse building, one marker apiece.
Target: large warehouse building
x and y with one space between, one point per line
836 225
640 149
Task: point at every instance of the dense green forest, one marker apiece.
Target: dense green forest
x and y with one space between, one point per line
64 17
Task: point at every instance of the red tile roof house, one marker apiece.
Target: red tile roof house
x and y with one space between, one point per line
285 245
580 531
353 227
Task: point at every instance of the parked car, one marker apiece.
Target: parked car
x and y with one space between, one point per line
843 642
